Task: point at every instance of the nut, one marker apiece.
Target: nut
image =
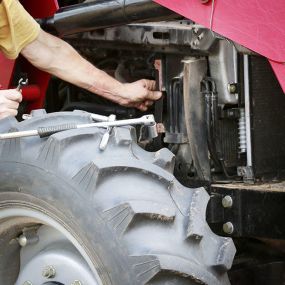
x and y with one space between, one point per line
227 202
232 88
49 272
228 228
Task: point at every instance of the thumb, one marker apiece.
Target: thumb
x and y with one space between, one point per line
154 95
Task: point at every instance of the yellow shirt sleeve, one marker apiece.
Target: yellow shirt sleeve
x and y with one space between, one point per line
17 28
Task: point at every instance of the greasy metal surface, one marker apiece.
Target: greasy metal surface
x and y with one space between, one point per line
171 35
194 72
223 69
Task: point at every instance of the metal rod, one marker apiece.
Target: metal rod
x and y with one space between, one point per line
21 134
247 111
147 120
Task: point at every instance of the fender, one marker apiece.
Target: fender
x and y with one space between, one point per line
258 25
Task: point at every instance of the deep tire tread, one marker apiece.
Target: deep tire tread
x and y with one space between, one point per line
171 213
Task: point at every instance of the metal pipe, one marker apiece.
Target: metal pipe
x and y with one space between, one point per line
247 111
99 14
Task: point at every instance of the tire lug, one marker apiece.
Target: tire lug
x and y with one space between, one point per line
49 272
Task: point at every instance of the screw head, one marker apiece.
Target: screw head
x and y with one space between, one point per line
76 282
27 283
232 88
227 202
49 272
228 228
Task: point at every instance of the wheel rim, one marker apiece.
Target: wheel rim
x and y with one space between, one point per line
49 253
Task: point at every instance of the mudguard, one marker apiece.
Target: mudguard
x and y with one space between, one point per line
258 25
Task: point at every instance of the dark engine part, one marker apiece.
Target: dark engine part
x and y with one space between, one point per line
99 14
268 120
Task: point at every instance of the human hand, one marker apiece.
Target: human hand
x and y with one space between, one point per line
9 102
139 94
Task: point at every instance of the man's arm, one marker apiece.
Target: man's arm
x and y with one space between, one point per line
57 57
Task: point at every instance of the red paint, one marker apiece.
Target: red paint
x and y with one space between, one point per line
31 93
36 77
43 9
6 71
256 24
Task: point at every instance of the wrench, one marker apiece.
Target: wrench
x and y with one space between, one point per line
147 120
22 82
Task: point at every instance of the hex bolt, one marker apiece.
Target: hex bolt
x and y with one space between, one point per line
49 272
232 88
76 282
228 228
28 238
227 202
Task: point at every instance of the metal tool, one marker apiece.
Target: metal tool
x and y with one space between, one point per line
22 82
147 120
106 136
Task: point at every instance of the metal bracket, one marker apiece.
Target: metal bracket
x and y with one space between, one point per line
242 210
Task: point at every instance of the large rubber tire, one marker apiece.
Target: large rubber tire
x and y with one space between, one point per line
136 222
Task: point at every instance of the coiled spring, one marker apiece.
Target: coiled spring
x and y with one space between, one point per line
242 131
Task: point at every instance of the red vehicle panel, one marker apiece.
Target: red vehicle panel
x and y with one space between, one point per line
258 25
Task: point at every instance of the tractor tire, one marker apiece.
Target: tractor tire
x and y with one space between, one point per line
122 210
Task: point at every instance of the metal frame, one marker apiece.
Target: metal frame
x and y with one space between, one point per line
241 210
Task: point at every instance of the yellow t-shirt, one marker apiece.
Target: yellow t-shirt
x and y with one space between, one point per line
17 28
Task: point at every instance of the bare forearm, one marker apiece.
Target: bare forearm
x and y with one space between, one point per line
60 59
57 57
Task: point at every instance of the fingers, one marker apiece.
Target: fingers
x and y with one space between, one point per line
9 102
144 106
14 95
7 113
153 95
149 84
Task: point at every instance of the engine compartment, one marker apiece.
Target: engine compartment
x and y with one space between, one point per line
213 113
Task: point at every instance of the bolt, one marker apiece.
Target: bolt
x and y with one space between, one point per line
49 272
227 202
76 282
28 238
232 88
22 240
228 228
27 283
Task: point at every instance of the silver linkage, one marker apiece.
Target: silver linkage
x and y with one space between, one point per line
106 136
147 120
